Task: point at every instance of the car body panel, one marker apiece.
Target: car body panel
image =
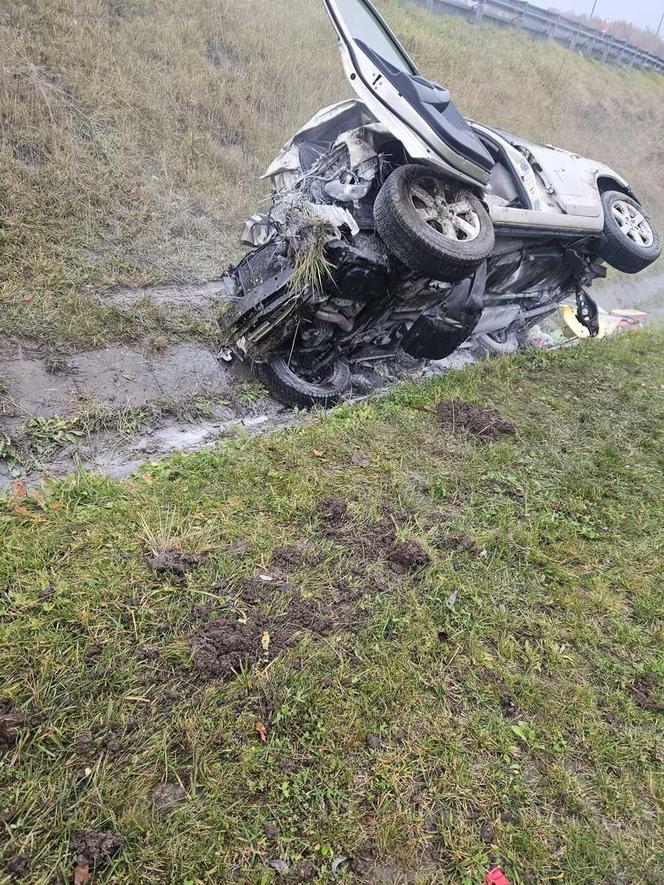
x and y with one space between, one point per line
561 188
387 104
329 126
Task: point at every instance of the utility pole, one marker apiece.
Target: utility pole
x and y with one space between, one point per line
661 22
592 14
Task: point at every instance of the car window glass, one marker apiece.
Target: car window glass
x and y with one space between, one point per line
364 26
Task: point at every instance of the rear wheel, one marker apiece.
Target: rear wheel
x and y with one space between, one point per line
295 386
631 243
435 226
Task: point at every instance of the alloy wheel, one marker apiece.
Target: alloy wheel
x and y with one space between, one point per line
455 219
633 223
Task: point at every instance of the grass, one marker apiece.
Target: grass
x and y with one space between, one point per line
497 706
132 137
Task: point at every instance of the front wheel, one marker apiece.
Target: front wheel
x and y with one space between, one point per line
434 225
631 243
290 386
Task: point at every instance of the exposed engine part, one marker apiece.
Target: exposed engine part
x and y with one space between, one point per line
333 316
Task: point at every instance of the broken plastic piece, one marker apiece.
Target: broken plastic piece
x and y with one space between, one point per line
496 877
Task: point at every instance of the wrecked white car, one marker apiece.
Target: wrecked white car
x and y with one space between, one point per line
396 226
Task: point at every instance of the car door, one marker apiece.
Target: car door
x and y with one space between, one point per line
417 111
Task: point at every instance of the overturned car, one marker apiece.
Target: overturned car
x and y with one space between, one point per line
396 226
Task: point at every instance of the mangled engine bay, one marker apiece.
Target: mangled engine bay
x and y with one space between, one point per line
320 290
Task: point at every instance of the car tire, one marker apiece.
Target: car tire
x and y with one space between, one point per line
631 243
292 389
428 237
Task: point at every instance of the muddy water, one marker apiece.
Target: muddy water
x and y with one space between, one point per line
127 387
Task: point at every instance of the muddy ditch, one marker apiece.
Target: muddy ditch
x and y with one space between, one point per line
111 409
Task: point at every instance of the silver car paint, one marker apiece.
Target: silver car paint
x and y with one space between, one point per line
563 186
392 109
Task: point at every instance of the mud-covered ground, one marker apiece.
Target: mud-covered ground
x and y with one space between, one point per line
113 408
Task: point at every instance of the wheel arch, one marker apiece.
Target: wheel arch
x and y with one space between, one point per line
606 182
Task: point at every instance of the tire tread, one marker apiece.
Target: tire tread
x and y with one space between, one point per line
419 247
617 250
291 390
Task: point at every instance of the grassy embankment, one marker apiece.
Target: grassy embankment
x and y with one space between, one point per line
501 703
132 135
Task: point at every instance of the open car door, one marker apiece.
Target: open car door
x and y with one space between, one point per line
419 112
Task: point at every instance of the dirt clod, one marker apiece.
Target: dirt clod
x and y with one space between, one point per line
487 834
305 871
10 722
333 510
642 690
97 740
359 866
373 742
238 548
221 647
377 539
459 542
167 796
92 652
359 459
147 653
408 556
175 562
17 866
95 848
203 610
308 616
253 591
486 425
271 831
507 706
288 559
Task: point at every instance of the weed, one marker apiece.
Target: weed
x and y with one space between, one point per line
8 451
46 435
308 245
251 392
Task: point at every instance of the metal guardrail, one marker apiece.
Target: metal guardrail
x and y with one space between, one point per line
550 26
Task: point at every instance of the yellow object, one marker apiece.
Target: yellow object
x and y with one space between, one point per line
572 328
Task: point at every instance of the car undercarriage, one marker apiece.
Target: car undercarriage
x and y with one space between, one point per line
397 226
353 297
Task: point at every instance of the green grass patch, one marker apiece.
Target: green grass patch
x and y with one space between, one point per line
501 704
